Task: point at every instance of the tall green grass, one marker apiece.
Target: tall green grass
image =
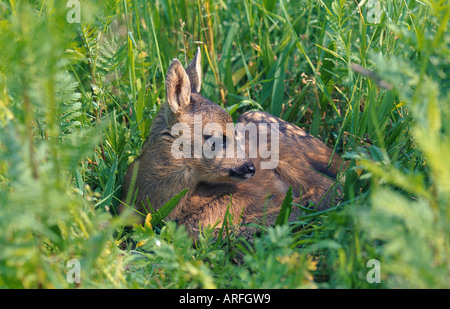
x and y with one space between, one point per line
77 101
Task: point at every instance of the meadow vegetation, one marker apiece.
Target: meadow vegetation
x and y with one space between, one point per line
77 101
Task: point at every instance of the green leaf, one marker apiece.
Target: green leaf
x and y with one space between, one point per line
278 83
109 188
167 208
286 208
379 155
225 64
328 62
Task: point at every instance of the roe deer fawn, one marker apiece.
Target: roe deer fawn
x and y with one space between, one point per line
250 188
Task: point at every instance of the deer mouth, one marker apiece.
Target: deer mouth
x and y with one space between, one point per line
241 177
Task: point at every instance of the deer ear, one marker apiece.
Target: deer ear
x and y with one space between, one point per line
194 71
178 86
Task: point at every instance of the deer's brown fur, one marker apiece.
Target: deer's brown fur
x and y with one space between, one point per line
217 183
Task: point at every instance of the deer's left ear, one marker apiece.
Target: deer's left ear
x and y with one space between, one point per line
194 71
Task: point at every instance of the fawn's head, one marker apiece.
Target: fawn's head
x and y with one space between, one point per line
203 131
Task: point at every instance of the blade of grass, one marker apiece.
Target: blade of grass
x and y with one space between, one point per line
167 208
286 208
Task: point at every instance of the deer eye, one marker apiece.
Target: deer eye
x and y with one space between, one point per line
215 141
224 141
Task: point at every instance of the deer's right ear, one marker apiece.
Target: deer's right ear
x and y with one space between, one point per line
178 86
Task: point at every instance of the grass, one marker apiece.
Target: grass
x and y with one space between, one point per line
77 101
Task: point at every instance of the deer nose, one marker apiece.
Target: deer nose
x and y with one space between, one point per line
251 169
245 171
